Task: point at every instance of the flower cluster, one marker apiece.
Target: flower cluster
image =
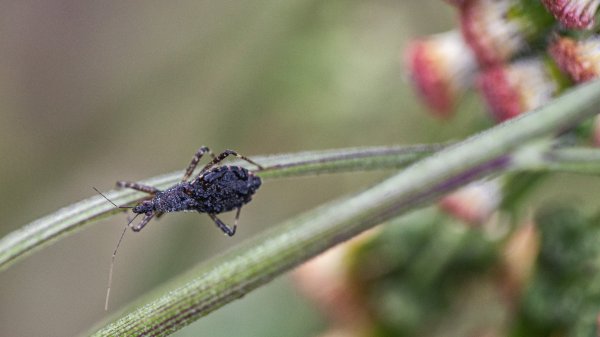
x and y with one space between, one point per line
517 54
449 270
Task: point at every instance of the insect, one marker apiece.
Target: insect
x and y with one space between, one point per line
215 189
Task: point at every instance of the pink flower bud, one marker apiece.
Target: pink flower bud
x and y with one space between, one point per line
580 59
326 281
497 30
519 256
512 89
573 14
474 203
441 68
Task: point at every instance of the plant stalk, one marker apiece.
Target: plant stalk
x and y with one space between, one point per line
44 231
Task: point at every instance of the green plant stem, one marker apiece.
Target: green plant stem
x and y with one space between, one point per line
46 230
260 260
573 160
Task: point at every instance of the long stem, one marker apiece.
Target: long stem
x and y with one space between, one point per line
573 160
260 260
46 230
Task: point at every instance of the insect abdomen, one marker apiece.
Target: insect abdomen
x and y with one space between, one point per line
225 188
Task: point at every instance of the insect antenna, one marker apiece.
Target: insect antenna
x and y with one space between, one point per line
107 199
112 263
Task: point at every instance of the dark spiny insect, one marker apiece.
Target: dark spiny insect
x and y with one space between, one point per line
215 190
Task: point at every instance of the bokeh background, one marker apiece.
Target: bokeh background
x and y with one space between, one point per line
93 92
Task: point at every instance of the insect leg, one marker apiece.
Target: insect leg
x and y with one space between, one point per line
237 217
224 155
190 169
142 223
226 229
138 187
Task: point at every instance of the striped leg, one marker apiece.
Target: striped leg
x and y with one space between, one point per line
222 226
138 187
224 155
143 223
190 169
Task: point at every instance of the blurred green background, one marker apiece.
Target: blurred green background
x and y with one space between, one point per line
94 92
